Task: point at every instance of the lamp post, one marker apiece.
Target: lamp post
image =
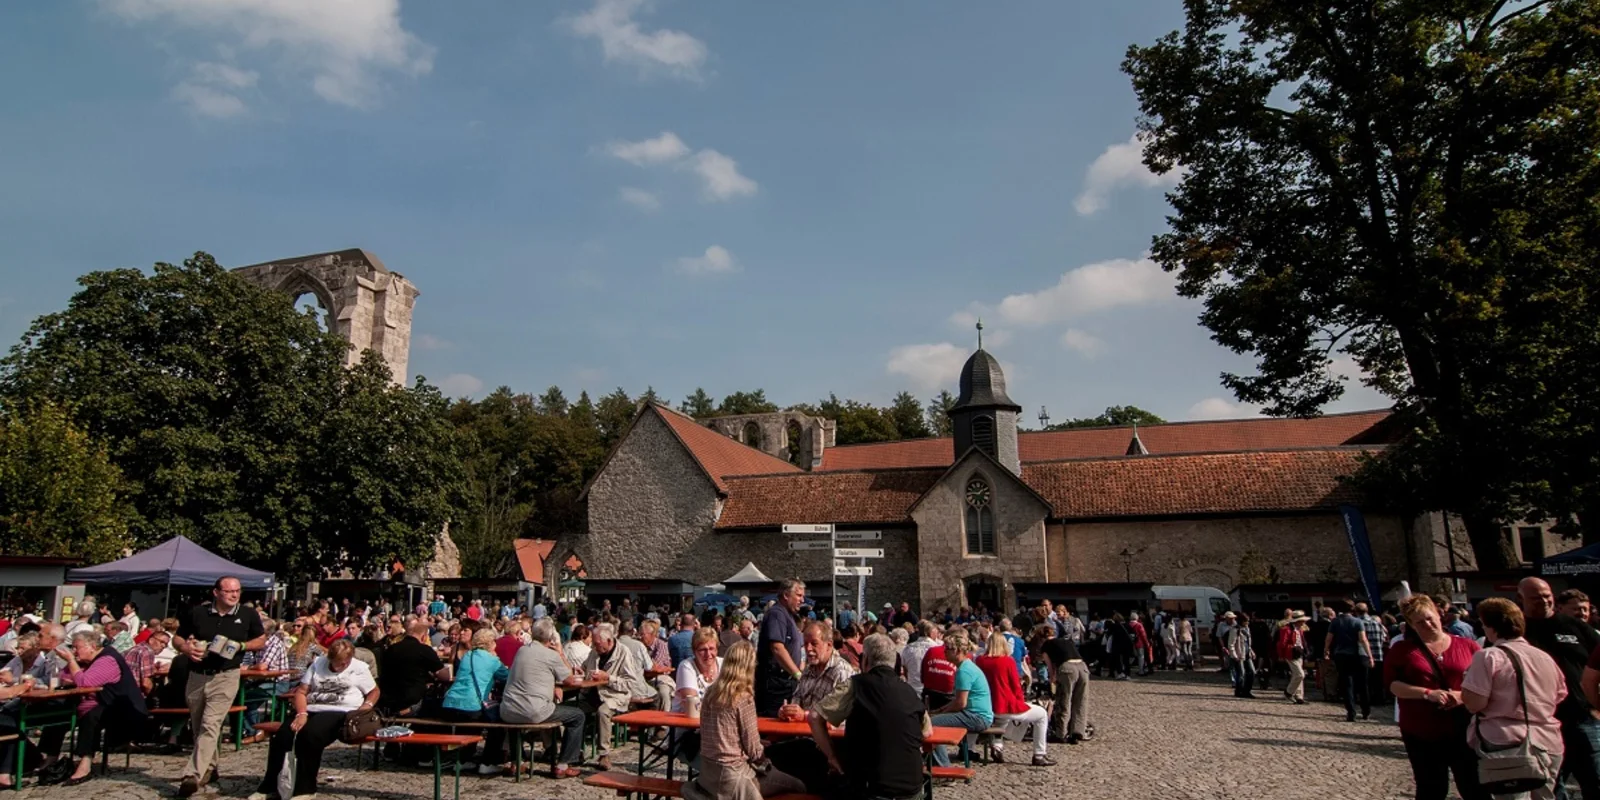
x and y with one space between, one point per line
1127 564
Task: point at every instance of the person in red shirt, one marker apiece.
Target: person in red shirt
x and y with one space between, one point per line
1011 710
1290 648
506 646
1141 643
1424 672
938 678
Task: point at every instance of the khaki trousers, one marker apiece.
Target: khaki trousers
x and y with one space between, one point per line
1070 714
1297 679
209 698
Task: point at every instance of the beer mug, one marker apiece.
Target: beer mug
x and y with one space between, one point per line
691 706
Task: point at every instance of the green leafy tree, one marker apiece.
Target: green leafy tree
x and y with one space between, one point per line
1114 416
553 402
1409 185
58 489
938 414
613 414
858 423
746 403
907 414
699 405
220 405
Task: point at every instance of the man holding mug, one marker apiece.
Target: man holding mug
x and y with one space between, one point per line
214 636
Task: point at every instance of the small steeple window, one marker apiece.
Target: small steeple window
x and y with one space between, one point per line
983 435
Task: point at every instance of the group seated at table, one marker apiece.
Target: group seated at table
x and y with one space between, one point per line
733 763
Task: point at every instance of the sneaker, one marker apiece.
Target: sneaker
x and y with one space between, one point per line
469 764
489 769
259 796
1043 761
188 786
998 755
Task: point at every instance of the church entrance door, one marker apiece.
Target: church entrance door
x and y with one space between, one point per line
984 591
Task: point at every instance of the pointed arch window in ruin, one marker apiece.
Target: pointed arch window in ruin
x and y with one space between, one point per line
793 433
752 435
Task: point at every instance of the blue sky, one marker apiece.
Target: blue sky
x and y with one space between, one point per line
801 197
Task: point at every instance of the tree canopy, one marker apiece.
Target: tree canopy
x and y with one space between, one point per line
59 492
233 420
1406 186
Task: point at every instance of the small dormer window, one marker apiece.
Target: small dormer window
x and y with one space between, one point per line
983 434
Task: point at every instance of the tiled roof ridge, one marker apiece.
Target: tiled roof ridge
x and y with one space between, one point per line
744 449
1142 426
1373 448
821 472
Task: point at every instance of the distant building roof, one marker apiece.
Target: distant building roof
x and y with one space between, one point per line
842 498
1361 427
720 456
531 555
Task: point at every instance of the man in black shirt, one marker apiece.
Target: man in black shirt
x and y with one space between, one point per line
779 649
1069 684
882 753
405 671
214 636
1570 642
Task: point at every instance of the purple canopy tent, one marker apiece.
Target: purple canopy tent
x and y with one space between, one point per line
175 562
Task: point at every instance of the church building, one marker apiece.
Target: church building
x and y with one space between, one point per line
993 515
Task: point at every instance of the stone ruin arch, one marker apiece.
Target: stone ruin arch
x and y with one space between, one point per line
368 306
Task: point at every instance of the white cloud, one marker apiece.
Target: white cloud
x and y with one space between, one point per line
719 173
212 89
721 176
1221 408
661 150
928 366
622 40
640 199
1089 288
716 261
460 385
1083 343
1120 165
428 341
344 45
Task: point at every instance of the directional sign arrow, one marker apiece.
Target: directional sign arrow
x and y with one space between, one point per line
858 536
859 552
823 545
865 571
808 529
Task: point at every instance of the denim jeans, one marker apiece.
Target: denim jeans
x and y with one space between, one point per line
1242 674
1353 672
1582 757
966 720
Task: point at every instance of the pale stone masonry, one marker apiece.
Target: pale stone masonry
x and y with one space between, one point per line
368 306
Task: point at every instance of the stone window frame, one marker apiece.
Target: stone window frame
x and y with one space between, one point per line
750 434
976 515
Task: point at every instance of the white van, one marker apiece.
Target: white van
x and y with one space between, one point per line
1206 604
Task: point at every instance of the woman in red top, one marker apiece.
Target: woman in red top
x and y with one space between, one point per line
1011 710
1424 672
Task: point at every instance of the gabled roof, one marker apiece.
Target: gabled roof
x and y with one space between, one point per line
881 497
720 456
1361 427
998 470
1188 485
531 555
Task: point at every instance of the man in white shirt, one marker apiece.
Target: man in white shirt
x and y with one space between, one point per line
929 635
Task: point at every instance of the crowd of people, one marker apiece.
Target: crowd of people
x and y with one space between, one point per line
472 661
1467 687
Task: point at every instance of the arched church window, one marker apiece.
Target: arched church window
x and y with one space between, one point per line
980 518
752 435
983 435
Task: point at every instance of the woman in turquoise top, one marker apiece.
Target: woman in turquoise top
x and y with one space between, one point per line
470 698
970 706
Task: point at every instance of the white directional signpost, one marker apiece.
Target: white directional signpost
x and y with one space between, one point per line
840 569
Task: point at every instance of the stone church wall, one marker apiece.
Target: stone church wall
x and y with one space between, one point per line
1019 538
647 507
1213 552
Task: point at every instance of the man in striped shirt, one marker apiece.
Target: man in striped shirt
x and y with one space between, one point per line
1378 638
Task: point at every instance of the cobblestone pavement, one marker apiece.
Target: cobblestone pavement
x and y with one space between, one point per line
1165 737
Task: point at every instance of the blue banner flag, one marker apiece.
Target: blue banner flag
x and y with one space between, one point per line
1355 526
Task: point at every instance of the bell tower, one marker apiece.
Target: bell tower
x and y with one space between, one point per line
984 416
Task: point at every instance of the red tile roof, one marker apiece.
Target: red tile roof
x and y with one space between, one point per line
1212 483
720 456
531 554
1362 427
869 498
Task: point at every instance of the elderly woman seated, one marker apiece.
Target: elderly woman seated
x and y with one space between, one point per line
331 688
118 707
